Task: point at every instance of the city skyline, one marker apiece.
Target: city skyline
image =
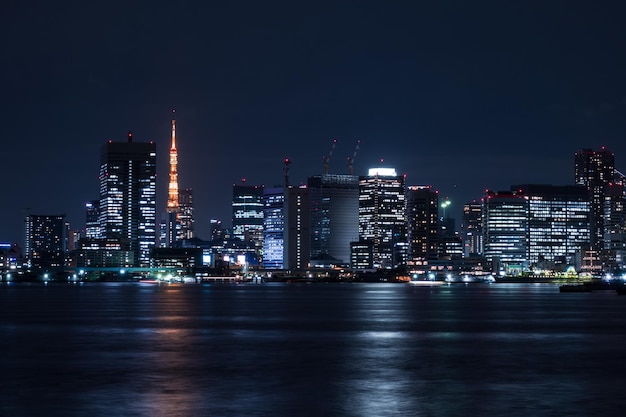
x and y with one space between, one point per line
458 97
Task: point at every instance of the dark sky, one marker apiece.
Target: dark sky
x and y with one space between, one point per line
460 95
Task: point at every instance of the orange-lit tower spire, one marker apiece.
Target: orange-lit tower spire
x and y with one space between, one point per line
172 199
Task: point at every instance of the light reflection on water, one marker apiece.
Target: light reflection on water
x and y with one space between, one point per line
295 350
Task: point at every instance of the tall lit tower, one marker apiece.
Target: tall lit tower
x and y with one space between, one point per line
172 199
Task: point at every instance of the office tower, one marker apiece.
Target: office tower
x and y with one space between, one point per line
127 195
422 222
92 219
615 226
273 227
558 223
595 170
45 237
185 214
248 215
297 238
382 216
334 202
505 225
472 229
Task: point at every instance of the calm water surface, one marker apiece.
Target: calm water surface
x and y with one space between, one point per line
310 350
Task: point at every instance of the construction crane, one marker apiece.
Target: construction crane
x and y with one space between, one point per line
287 162
326 158
351 159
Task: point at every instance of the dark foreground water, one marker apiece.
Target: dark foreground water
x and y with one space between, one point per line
311 350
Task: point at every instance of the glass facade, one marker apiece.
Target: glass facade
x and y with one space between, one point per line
334 202
505 222
128 195
382 218
595 170
558 222
273 228
248 215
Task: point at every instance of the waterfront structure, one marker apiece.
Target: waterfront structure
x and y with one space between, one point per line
334 216
382 218
536 226
615 226
45 240
472 229
505 223
247 205
128 195
286 222
103 253
595 170
558 224
422 222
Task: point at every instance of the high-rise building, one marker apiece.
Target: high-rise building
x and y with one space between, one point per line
248 215
185 214
92 219
472 229
297 238
422 222
505 225
273 227
334 208
45 240
558 223
615 226
382 216
128 195
595 170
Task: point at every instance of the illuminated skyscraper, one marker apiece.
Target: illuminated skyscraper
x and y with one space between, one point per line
128 195
558 223
472 229
248 214
92 219
505 225
382 216
185 214
595 170
273 228
422 222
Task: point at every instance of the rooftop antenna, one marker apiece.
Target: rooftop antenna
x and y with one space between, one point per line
351 159
327 158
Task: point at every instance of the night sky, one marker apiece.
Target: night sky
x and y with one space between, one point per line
459 95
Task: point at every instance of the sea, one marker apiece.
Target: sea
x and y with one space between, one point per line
298 349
